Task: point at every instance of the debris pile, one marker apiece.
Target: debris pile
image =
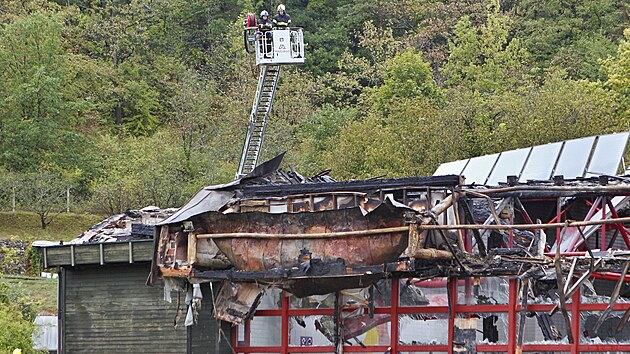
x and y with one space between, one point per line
131 225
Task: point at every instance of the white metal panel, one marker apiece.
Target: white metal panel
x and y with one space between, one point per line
479 168
608 152
451 168
574 157
541 162
510 164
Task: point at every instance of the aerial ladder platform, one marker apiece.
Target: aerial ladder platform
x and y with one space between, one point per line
273 49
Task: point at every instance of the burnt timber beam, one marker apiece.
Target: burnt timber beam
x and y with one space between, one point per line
525 226
351 186
498 263
547 191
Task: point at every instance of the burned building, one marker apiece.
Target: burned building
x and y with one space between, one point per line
522 251
528 254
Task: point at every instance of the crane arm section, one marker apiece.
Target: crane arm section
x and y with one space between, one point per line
267 83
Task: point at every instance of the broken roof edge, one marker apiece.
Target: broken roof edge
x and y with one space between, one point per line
201 202
213 198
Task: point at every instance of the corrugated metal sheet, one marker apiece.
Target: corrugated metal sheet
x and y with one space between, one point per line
45 335
110 310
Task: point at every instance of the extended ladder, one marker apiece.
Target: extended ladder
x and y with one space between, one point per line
267 83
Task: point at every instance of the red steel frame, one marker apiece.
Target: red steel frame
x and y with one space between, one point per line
512 308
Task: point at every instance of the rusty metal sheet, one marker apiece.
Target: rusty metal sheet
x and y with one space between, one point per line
266 253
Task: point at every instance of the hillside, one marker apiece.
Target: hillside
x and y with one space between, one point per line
25 226
142 103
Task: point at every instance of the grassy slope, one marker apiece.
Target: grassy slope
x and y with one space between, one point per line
25 226
41 292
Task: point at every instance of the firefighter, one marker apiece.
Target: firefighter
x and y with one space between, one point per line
282 19
264 26
264 23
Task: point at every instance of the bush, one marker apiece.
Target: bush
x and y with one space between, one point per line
16 321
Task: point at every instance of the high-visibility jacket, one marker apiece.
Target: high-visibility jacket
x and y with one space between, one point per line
282 20
264 25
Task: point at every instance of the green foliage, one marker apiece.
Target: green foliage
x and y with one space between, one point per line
319 133
34 261
573 35
35 117
485 58
136 103
406 76
16 320
618 69
141 171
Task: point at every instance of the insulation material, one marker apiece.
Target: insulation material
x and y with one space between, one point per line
236 302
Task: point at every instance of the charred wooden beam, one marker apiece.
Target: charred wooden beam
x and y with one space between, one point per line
481 246
338 334
525 226
613 298
570 276
561 295
579 282
447 181
548 191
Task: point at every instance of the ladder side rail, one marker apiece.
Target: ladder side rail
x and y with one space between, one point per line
272 95
252 120
251 149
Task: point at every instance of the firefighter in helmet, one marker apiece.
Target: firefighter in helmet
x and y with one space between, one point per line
282 19
264 26
264 23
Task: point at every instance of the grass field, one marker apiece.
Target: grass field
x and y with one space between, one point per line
41 292
25 226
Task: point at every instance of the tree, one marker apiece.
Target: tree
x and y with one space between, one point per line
36 114
406 76
140 171
571 35
618 70
486 58
16 321
43 193
436 28
319 134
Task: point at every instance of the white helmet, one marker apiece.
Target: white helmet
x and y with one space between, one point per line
264 13
280 8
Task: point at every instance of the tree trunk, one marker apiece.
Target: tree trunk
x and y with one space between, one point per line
42 220
118 112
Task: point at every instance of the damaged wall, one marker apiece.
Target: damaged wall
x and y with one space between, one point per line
109 309
112 311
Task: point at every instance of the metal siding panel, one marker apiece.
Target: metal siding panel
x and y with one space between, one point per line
109 309
204 335
61 313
